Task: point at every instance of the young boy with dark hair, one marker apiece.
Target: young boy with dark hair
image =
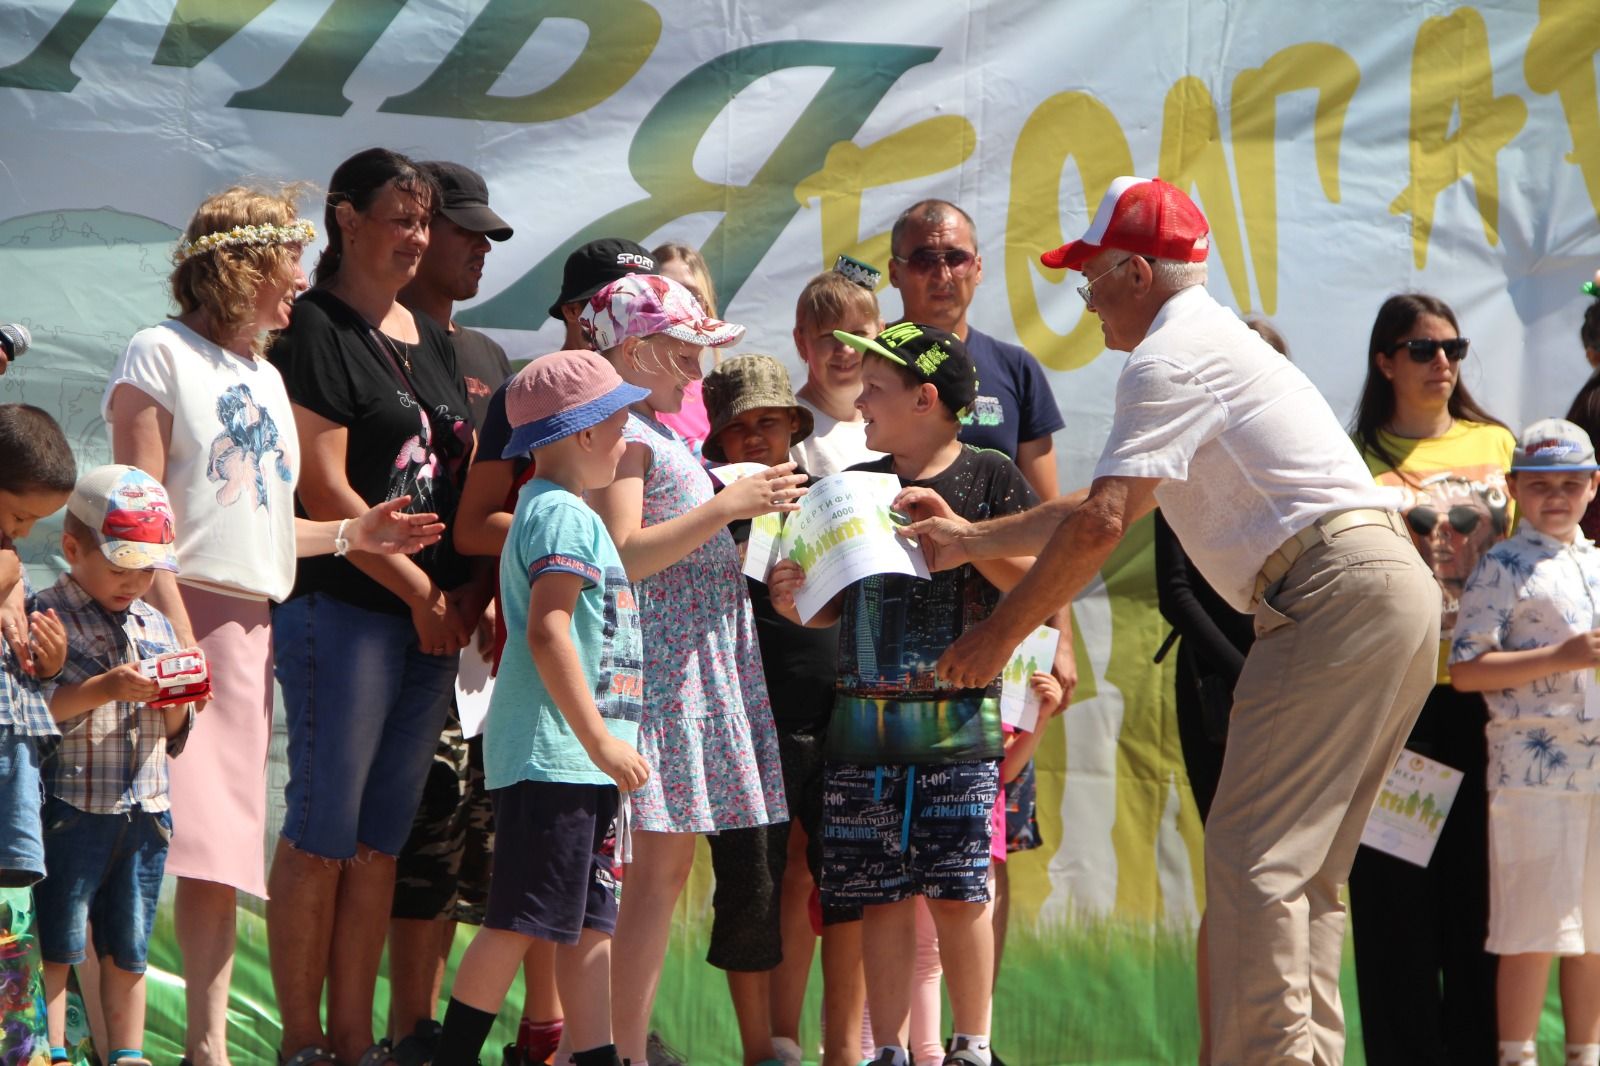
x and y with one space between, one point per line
37 473
912 772
106 814
559 742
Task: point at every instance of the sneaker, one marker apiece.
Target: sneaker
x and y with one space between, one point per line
961 1055
657 1052
418 1048
787 1051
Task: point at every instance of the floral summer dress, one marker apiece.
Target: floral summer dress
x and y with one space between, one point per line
707 730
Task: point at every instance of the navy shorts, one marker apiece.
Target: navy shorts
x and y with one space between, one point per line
893 832
552 872
21 798
105 870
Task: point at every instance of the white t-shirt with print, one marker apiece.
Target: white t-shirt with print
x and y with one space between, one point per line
833 445
1248 451
233 460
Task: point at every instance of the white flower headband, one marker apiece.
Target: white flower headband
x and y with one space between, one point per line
300 231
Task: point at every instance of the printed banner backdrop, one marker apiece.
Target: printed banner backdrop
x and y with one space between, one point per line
1384 145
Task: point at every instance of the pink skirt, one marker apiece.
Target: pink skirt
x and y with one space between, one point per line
219 782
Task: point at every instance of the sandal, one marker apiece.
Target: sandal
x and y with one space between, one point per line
310 1055
379 1054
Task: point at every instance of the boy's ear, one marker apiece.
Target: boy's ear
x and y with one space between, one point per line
927 397
70 547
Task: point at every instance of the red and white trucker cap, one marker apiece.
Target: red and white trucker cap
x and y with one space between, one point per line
1145 216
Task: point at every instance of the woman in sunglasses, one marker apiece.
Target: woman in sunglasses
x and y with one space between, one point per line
1585 410
1426 984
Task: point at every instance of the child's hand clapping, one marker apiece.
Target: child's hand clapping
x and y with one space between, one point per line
47 643
1051 696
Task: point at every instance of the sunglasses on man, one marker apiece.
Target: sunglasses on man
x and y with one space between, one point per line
929 260
1422 349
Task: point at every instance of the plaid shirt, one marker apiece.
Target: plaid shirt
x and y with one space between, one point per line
24 705
112 759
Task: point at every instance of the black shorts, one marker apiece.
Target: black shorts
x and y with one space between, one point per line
443 870
893 832
552 873
749 865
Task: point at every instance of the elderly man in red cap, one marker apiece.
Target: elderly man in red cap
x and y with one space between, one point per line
1271 501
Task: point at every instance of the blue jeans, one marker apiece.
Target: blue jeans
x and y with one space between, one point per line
21 837
105 869
365 707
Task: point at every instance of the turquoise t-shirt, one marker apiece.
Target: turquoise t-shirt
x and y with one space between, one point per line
526 738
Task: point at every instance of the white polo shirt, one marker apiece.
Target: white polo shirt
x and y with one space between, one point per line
1248 451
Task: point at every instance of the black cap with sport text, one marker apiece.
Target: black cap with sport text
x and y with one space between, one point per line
464 200
593 266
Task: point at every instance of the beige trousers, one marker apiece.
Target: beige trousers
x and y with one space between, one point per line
1346 651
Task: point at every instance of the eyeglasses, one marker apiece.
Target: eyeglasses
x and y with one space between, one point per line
1422 349
929 260
1086 290
1462 518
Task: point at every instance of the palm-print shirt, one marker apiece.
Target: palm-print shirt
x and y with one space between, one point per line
1533 591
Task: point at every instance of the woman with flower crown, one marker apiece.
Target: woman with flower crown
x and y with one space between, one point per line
193 402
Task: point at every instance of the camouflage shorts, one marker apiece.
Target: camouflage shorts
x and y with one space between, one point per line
443 870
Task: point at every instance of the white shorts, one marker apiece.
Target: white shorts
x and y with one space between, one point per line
1544 872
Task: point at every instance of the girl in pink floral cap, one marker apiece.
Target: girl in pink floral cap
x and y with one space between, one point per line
707 729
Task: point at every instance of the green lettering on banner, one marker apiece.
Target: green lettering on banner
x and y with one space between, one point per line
312 81
622 34
199 27
48 68
661 160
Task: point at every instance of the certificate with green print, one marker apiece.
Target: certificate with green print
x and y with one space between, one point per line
844 532
1411 808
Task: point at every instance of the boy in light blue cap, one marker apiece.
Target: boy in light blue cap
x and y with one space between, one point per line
1527 637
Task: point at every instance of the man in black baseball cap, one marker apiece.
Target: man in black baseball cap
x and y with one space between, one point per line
590 268
464 200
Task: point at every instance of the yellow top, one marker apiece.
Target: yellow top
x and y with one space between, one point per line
1456 503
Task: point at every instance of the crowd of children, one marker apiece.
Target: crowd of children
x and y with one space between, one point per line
650 693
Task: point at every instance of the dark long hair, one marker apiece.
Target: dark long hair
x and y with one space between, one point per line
357 181
1585 411
1395 319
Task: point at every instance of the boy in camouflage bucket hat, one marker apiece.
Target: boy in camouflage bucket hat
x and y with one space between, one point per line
752 396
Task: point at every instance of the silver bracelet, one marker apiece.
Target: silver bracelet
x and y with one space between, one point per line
340 545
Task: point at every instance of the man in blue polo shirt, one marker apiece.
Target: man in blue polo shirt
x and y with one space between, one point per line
935 264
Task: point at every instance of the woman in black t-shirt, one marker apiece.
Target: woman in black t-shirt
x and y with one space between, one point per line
365 645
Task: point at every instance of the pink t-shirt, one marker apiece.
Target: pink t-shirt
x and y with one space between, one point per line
689 421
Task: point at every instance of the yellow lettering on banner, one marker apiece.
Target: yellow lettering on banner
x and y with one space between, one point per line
1560 59
1067 126
1254 118
928 147
1451 72
1192 155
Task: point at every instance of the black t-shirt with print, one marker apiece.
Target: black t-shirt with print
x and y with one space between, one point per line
907 622
484 367
408 429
